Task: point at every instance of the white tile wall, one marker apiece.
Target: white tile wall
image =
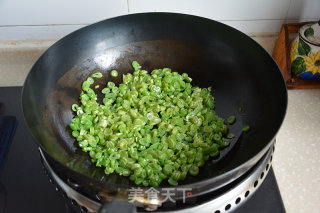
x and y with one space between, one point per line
216 9
41 12
38 19
304 10
261 27
36 32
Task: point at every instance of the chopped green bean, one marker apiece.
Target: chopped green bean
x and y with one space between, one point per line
74 107
151 127
114 73
136 66
172 182
231 119
194 170
230 135
105 90
246 128
90 80
97 75
110 85
85 85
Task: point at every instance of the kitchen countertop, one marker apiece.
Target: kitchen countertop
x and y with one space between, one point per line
297 158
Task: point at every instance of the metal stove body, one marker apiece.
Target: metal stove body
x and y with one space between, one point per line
227 199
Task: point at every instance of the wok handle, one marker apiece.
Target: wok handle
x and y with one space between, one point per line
117 206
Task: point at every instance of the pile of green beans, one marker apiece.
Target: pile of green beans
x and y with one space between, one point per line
151 127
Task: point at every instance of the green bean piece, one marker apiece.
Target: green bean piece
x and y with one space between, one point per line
231 119
136 66
114 73
90 80
230 135
74 107
110 85
105 90
224 143
97 75
172 182
176 175
151 127
194 170
85 85
246 128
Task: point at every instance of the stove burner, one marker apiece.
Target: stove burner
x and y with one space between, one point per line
229 198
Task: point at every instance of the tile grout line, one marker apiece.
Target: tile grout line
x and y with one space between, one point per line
42 25
128 6
286 18
82 24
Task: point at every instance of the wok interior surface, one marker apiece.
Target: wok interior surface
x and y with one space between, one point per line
214 55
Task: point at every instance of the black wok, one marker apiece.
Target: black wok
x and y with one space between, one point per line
241 73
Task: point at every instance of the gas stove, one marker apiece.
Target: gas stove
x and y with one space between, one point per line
29 184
